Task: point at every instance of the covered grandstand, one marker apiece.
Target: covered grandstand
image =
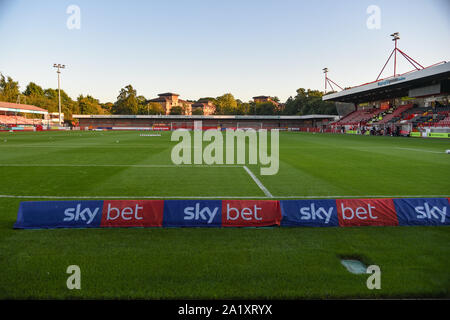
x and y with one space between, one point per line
414 103
172 122
14 116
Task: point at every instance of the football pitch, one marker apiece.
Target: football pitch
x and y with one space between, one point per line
221 263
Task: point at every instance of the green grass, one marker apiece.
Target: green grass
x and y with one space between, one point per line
219 263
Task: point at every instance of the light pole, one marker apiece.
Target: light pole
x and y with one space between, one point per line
325 70
395 37
59 66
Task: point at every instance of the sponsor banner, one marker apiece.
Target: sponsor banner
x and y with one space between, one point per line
366 212
132 213
250 213
161 128
132 128
430 211
233 213
59 214
309 213
439 135
192 213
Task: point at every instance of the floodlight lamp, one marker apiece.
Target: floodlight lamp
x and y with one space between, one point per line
395 35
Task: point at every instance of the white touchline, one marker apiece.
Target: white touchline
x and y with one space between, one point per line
122 165
366 196
128 197
260 185
420 150
219 197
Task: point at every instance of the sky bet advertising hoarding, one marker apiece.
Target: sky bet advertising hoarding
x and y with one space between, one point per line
233 213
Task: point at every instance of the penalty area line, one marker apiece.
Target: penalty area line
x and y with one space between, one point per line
259 183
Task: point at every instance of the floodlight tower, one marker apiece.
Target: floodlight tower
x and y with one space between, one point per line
395 36
329 81
59 66
325 71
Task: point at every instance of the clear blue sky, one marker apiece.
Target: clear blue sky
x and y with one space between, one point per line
203 48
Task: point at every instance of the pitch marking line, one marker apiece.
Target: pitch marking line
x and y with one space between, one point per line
259 183
219 197
421 150
128 197
122 165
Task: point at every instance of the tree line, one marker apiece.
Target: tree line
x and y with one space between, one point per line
306 101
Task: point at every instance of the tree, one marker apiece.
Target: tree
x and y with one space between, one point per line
127 102
176 110
226 104
151 108
242 108
9 89
308 102
197 112
265 108
106 107
48 99
33 89
89 105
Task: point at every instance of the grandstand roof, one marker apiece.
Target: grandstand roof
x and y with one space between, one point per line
393 87
198 117
23 108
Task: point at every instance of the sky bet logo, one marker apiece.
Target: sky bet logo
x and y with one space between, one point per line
366 212
199 213
114 213
192 213
216 213
425 212
79 214
313 213
432 211
132 213
250 213
309 213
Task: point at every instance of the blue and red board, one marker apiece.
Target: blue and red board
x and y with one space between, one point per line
233 213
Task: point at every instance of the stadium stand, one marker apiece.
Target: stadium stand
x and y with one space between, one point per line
360 116
405 114
18 120
392 115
